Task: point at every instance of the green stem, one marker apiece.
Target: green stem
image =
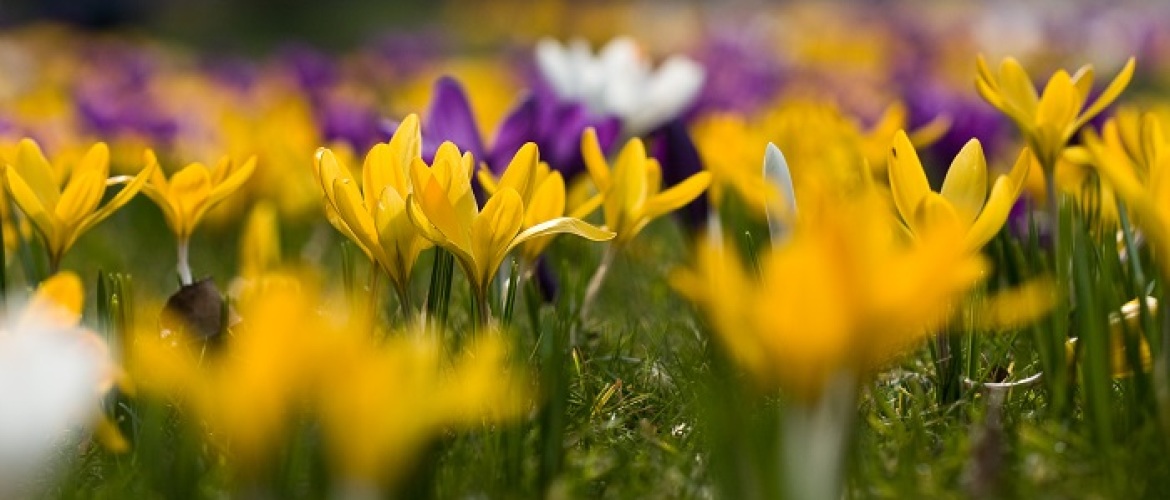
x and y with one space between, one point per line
598 278
373 293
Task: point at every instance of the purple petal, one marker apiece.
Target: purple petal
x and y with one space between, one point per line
679 158
449 118
515 130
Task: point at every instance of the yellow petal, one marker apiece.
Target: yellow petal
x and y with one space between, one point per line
1058 106
32 207
57 302
627 193
1083 81
994 214
518 175
232 183
359 221
677 196
260 242
403 148
1017 88
548 201
37 173
908 182
441 213
190 188
934 213
123 197
1110 94
563 225
81 196
96 159
595 159
966 183
493 231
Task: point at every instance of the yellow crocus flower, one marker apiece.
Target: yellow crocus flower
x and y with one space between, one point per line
246 393
545 200
61 214
1142 180
842 296
443 207
375 217
1047 120
385 399
632 189
189 194
964 199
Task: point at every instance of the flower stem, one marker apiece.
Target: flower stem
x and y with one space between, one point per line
375 273
184 264
1053 208
596 281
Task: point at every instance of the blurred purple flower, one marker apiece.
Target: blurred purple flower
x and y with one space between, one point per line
738 78
555 128
115 97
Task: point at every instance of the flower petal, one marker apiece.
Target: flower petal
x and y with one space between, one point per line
81 196
966 183
908 182
34 169
676 196
1110 94
31 205
563 225
123 197
493 231
999 205
595 159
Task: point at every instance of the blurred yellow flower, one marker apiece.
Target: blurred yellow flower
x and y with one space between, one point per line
964 199
247 391
383 400
375 218
632 188
1127 320
844 295
61 214
1047 120
1135 160
443 207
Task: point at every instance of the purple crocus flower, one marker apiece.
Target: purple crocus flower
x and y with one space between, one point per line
347 119
555 127
970 118
738 79
115 97
675 151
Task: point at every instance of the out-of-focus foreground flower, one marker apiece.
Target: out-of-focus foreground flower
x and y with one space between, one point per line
379 396
843 296
53 373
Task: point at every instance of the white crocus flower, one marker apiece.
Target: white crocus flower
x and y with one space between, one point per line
52 375
620 81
